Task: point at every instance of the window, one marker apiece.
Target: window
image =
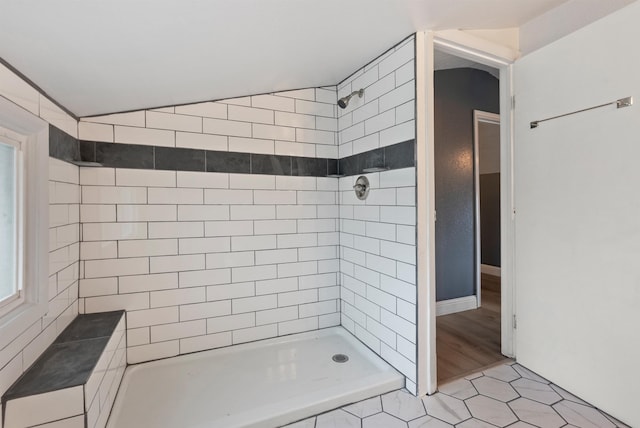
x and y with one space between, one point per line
11 211
24 220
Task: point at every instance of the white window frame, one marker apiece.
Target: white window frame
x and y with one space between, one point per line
15 300
33 133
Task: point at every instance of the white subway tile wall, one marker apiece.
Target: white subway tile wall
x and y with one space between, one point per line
64 235
61 404
209 259
377 235
385 113
294 123
64 252
205 260
102 386
16 90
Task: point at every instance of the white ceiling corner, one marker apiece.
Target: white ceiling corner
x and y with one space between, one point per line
120 55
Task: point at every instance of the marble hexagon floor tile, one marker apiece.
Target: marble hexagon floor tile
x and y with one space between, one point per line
460 389
567 395
490 410
383 420
504 396
616 422
536 413
446 408
307 423
495 388
581 415
504 372
365 408
536 391
428 422
474 423
337 419
526 373
402 405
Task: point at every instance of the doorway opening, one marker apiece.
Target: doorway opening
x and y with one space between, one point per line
467 203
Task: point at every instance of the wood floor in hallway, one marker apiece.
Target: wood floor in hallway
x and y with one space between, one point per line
470 340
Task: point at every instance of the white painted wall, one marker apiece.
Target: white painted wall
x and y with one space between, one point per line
509 37
577 224
564 19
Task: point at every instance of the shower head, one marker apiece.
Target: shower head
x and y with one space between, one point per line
344 101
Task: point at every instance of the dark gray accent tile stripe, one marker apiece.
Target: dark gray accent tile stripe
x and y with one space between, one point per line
87 150
90 326
310 167
127 156
332 166
62 145
401 155
177 159
233 162
70 360
372 159
116 155
272 164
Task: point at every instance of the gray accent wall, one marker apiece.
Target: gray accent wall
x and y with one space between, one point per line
457 93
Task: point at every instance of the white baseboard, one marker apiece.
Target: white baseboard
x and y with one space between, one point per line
491 270
451 306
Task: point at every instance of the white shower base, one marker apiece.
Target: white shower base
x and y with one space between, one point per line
262 384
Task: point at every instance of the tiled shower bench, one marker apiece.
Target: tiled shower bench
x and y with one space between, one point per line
74 382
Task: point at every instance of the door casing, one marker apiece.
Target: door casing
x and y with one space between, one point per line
478 50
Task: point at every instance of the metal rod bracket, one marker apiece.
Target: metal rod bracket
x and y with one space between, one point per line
621 103
624 102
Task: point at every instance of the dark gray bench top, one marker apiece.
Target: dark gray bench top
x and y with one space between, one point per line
70 360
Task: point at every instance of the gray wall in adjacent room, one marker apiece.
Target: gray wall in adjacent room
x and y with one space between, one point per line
457 93
490 219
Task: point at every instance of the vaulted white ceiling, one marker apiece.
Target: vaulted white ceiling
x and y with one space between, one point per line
96 57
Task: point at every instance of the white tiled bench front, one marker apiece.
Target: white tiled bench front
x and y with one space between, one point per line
74 382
